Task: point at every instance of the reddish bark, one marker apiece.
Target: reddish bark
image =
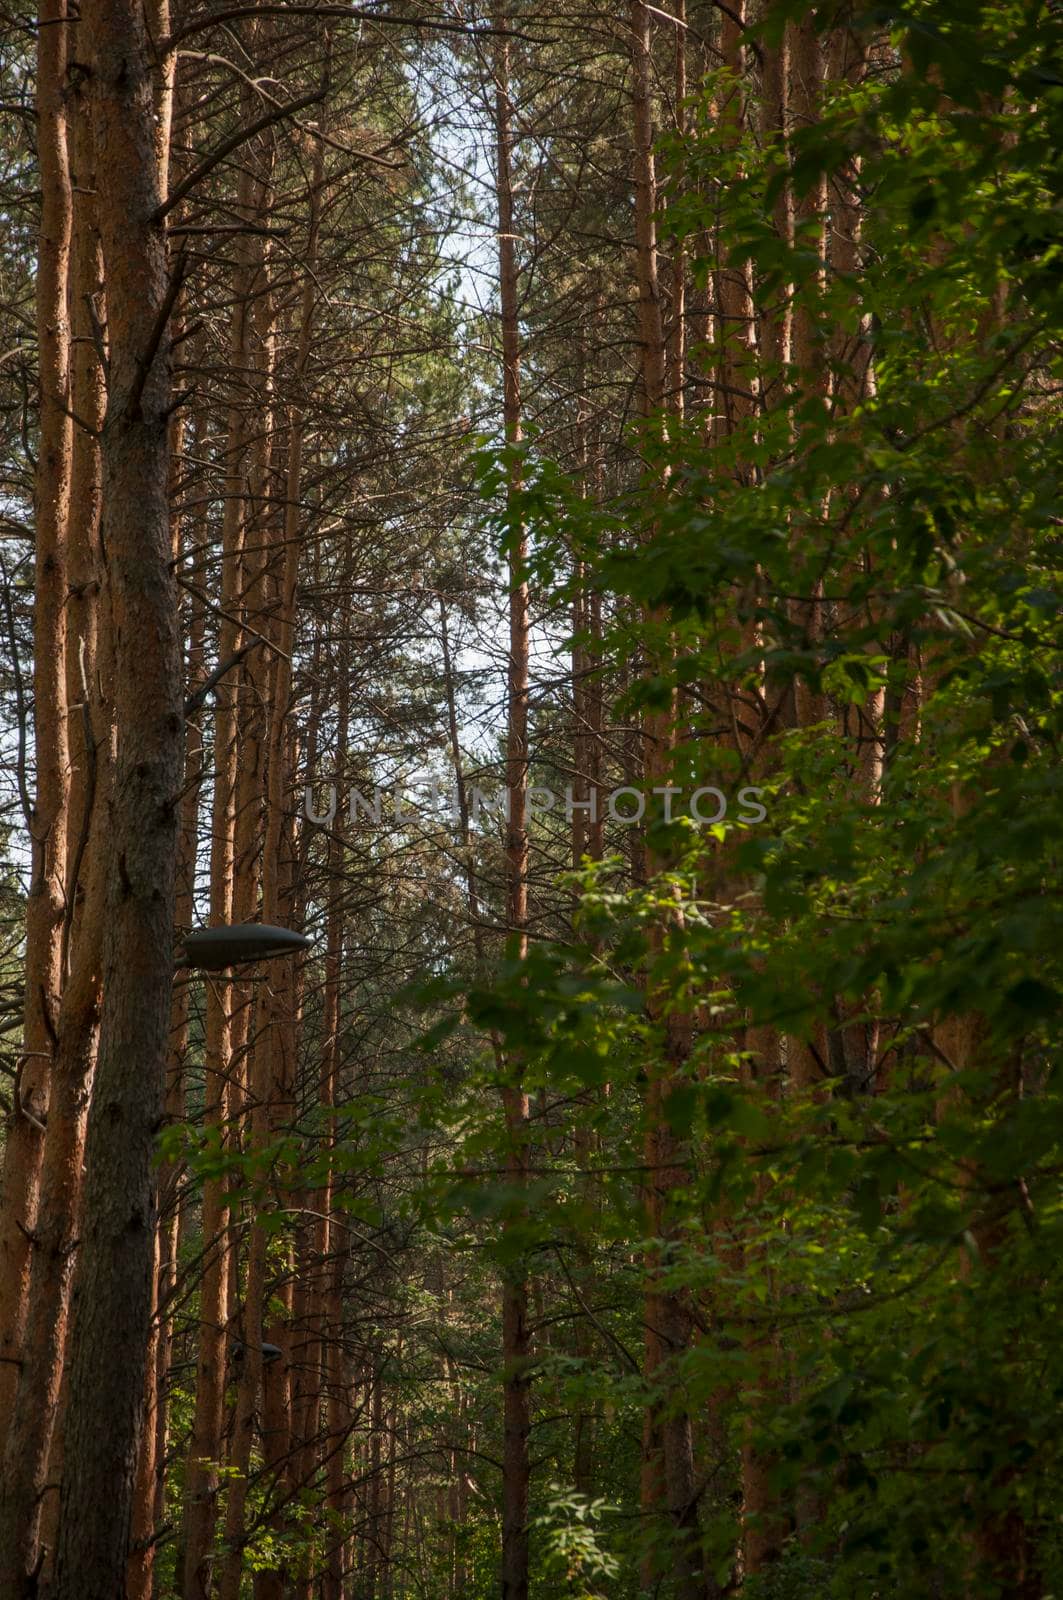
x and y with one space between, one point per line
113 1295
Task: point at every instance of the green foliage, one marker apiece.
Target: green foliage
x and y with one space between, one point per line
870 1261
885 1327
572 1554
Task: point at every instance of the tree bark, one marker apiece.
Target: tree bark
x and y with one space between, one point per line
33 1407
113 1293
48 820
516 1338
667 1475
201 1481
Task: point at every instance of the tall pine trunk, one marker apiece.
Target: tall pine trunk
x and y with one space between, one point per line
113 1293
667 1477
516 1338
48 817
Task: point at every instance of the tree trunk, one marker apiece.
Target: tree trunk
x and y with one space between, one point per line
222 1000
48 819
28 1453
113 1293
667 1478
268 1048
516 1339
